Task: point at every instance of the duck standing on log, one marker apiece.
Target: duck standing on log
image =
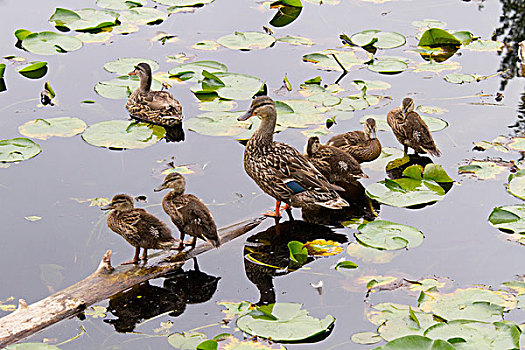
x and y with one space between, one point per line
280 170
363 146
410 130
155 107
187 212
140 228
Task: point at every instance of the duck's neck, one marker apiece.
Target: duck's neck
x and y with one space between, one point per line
264 134
177 192
145 83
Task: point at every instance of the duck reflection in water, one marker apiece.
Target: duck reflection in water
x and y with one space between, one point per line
266 254
147 301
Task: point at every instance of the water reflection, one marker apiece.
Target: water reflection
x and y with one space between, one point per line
146 301
266 254
174 133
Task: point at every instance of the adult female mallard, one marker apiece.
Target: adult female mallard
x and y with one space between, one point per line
363 146
280 170
410 130
187 212
140 228
155 107
335 164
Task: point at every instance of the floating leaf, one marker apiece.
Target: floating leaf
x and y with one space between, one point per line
31 346
322 247
351 57
482 169
121 87
120 4
378 39
33 218
516 185
206 45
387 235
509 218
429 23
366 338
431 109
416 342
434 124
432 66
246 41
370 255
143 15
217 124
460 78
193 70
17 149
121 134
296 40
96 312
34 70
436 172
405 192
236 344
388 65
52 275
50 43
97 201
368 85
236 86
45 128
387 155
286 14
124 65
298 253
186 341
94 38
2 69
85 20
517 143
346 265
290 324
435 37
484 45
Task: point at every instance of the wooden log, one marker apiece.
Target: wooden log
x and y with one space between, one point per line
105 282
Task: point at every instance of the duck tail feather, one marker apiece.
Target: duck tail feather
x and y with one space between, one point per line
336 203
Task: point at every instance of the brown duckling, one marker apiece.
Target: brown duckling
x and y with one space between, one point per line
335 164
155 107
410 130
187 212
140 228
363 146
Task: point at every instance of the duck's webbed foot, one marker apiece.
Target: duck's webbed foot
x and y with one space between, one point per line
135 259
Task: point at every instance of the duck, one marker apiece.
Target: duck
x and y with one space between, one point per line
138 227
335 164
363 146
155 107
410 130
187 212
280 170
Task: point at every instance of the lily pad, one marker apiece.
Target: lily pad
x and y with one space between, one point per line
387 155
366 338
184 3
34 70
509 218
285 322
206 45
434 124
18 149
484 45
368 85
143 15
120 4
322 247
296 40
50 43
233 343
387 235
234 86
482 169
121 87
186 341
433 66
31 346
298 253
429 23
124 65
405 192
217 124
378 39
436 37
416 342
2 69
45 128
85 20
460 78
516 185
349 58
122 134
193 70
388 65
246 41
94 38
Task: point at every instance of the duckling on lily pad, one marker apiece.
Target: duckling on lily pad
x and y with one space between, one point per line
140 228
363 146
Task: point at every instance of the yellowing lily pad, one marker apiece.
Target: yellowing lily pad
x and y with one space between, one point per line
483 170
206 45
18 149
322 247
509 218
484 45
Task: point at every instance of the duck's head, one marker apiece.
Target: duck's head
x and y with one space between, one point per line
174 181
120 202
370 128
313 145
407 106
262 106
142 70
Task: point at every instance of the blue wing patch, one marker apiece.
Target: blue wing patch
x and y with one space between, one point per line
294 186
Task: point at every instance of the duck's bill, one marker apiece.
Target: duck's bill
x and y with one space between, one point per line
107 207
245 116
132 73
159 188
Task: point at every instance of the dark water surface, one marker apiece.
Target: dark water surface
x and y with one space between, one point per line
459 243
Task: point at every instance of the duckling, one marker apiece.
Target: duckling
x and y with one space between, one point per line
187 212
155 107
280 170
363 146
140 228
335 164
410 130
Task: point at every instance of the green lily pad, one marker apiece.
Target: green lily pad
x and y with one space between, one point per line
184 3
405 192
517 143
378 39
433 66
124 65
298 253
186 341
464 36
516 185
460 78
286 13
2 69
122 134
436 37
17 149
50 43
193 70
319 94
296 40
349 58
121 87
387 155
285 322
85 20
368 85
482 169
217 124
509 218
416 342
429 23
366 338
434 124
246 41
233 86
34 70
387 235
45 128
120 4
142 16
388 65
31 346
206 45
484 45
101 37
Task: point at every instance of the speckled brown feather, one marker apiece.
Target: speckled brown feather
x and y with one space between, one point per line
357 145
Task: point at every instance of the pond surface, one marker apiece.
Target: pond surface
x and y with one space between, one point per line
66 244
